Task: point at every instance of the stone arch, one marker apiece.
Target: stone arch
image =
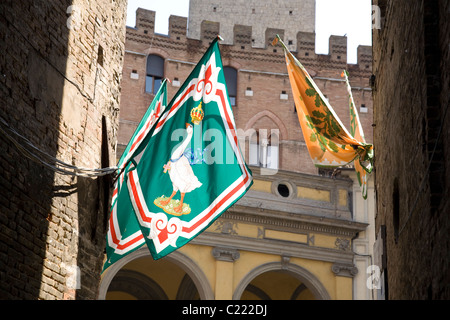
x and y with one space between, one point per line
311 282
184 262
227 62
138 285
157 51
266 113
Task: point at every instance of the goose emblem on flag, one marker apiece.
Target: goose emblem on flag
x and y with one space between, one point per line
164 200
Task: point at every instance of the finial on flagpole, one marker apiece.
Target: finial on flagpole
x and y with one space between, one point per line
219 37
275 40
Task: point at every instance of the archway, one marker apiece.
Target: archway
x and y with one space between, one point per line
277 281
138 276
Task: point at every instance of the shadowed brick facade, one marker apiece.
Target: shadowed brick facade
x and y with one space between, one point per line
411 136
60 71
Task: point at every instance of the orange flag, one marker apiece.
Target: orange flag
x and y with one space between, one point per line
328 141
356 131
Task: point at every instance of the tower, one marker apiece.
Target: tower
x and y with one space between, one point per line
289 15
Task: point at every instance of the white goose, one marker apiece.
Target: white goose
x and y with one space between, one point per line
180 171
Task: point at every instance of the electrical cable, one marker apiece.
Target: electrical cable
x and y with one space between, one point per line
39 156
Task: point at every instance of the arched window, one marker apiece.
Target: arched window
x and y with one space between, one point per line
231 81
155 73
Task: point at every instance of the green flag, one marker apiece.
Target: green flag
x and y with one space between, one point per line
124 234
190 170
140 135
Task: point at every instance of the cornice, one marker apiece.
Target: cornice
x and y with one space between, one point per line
233 244
300 178
297 222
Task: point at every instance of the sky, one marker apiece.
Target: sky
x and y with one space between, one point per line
333 17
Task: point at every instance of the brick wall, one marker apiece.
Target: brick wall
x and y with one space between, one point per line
60 75
261 69
411 63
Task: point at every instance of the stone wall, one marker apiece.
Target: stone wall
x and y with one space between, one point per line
290 15
411 97
60 74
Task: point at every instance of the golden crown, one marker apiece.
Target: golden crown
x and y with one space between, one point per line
197 114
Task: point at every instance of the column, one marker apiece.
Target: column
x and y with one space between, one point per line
225 258
344 273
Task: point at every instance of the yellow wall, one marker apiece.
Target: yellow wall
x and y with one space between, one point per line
224 277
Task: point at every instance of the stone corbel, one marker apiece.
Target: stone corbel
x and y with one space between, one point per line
225 254
344 269
285 262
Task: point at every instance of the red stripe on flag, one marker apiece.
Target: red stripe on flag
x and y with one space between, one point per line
229 122
158 107
214 209
139 138
117 241
137 200
191 88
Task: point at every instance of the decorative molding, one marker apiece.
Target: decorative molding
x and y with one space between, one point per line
297 222
226 227
225 254
311 240
343 244
268 246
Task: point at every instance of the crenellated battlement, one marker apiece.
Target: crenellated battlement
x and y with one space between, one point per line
303 45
